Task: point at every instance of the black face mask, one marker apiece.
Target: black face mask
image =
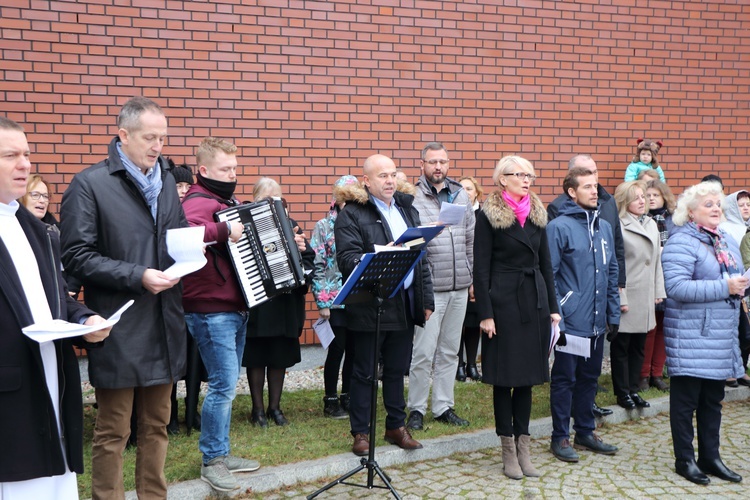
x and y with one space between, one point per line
223 189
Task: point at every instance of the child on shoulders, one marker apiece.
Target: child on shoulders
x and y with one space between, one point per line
645 159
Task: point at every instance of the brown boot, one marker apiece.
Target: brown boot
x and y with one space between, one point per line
510 458
524 456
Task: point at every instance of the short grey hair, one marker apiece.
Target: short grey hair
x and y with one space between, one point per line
574 160
691 197
130 114
432 146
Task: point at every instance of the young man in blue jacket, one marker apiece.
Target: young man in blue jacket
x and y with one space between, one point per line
586 272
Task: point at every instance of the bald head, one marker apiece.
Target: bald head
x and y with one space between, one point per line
380 177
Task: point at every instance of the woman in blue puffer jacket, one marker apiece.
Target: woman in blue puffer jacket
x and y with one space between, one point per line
702 276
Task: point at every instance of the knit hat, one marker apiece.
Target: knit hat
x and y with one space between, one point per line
648 145
340 186
182 174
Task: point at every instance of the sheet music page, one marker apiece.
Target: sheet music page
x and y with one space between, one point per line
61 329
323 330
578 346
451 215
185 246
555 335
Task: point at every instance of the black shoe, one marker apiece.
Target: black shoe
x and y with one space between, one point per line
332 408
563 451
639 401
258 417
344 401
461 372
732 383
173 427
601 412
449 417
690 471
594 443
626 402
278 417
473 373
717 468
744 381
415 422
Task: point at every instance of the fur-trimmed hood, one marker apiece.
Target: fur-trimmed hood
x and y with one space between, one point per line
501 216
358 193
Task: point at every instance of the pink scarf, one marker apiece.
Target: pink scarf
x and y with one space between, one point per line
521 208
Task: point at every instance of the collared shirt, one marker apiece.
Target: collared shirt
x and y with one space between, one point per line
444 195
396 223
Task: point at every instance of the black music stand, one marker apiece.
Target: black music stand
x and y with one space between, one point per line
378 276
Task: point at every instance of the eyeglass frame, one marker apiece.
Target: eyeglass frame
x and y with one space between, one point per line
35 195
436 161
523 176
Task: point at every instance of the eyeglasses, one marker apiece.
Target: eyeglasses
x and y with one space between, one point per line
35 195
435 162
523 175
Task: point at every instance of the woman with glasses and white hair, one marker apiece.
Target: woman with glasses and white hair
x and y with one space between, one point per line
516 302
704 283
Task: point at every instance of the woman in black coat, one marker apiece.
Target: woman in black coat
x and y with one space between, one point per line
273 331
516 302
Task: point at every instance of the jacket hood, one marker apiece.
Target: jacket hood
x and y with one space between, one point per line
732 210
501 216
358 193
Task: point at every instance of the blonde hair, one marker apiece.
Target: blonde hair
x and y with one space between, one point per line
691 197
477 187
506 164
32 181
625 194
207 149
263 188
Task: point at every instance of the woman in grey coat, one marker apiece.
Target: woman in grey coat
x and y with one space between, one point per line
702 277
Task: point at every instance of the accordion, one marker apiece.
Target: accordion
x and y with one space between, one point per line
266 259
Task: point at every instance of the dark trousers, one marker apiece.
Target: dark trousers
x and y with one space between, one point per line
572 390
626 353
394 348
689 395
512 410
341 346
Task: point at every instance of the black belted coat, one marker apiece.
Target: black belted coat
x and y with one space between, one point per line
513 284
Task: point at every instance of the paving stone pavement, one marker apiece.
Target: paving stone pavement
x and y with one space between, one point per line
469 465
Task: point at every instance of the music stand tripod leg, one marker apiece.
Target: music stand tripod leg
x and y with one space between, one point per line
370 464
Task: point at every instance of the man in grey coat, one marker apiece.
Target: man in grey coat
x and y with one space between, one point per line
115 216
450 257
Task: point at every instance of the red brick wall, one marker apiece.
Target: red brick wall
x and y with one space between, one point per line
308 89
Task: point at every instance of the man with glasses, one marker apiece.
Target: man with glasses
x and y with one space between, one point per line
115 216
215 309
451 261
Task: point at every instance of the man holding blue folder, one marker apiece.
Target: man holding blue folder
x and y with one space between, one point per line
377 215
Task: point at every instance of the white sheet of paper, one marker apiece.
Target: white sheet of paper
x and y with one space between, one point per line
451 214
323 330
185 246
61 329
554 335
747 274
578 346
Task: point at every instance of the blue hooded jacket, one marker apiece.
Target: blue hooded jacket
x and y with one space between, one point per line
701 320
585 269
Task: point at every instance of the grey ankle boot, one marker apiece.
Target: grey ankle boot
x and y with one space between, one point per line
524 456
510 458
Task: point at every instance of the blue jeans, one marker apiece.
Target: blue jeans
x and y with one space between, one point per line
221 342
573 389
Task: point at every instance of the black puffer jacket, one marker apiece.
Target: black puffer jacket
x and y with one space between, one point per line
109 239
358 228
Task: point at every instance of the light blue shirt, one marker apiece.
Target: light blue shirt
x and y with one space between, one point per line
397 224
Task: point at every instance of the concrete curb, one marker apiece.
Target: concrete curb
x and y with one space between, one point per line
325 469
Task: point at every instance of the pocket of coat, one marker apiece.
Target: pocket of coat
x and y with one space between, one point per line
569 302
10 378
705 327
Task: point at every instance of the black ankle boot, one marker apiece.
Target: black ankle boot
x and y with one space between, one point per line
472 372
461 372
344 401
332 408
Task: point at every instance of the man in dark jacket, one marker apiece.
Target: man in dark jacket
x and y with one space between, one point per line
378 215
608 212
580 246
41 416
115 216
215 310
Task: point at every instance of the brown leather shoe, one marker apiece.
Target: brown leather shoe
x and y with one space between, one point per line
361 446
401 438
